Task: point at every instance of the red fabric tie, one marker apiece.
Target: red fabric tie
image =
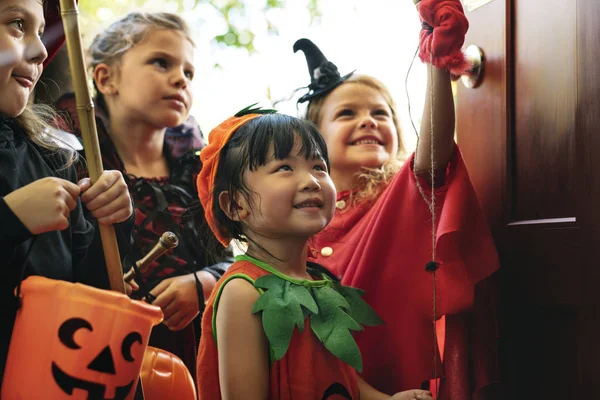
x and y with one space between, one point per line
441 40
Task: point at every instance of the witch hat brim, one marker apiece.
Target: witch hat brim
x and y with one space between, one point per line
324 75
54 34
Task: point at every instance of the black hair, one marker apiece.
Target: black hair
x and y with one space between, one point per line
248 148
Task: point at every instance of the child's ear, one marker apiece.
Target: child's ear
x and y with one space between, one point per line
235 210
105 78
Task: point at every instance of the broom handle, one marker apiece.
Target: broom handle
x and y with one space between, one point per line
85 110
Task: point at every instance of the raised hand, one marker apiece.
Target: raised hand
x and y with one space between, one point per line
178 299
44 205
107 199
443 34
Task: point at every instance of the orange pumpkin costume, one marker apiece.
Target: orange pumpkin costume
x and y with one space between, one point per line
306 371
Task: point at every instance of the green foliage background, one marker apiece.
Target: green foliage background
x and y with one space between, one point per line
233 36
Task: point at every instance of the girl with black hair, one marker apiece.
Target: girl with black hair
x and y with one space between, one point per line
276 326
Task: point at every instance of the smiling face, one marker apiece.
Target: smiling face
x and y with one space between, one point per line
21 53
152 82
357 124
291 197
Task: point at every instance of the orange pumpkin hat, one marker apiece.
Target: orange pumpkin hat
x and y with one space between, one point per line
209 156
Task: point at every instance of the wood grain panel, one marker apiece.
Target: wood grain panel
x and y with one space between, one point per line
545 82
547 353
544 262
520 137
588 150
482 114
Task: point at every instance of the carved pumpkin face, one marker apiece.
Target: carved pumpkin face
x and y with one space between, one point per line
103 360
76 342
336 391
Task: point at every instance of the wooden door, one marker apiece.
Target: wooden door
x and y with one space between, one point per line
530 134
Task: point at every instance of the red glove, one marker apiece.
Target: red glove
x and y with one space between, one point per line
443 34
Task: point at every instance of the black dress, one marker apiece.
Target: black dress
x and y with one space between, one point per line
165 204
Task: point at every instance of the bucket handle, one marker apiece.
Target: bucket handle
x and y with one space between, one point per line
22 274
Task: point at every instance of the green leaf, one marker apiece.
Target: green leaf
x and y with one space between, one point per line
282 306
332 326
278 324
285 303
255 110
359 310
275 4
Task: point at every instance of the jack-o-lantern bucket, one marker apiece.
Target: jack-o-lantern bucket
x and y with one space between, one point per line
73 341
165 376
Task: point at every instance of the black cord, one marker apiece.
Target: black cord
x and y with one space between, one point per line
22 274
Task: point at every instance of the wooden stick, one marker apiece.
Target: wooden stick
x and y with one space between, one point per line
85 110
167 241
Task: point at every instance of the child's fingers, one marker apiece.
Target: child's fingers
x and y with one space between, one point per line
115 203
176 321
116 217
99 194
131 286
84 184
171 309
163 296
424 395
134 284
109 205
107 180
72 189
67 193
71 203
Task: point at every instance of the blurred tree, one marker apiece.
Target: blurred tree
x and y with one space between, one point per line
97 14
93 12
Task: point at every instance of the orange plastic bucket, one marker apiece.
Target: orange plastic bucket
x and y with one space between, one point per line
73 341
165 376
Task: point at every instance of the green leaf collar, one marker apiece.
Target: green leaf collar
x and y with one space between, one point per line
334 311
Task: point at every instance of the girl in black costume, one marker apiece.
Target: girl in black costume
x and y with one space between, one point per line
44 230
143 67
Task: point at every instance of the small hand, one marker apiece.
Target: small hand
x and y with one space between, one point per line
131 286
178 299
44 205
415 394
108 199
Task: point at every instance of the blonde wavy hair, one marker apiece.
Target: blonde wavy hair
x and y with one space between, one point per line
109 46
371 181
38 121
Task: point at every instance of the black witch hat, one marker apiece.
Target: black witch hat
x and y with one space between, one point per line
324 75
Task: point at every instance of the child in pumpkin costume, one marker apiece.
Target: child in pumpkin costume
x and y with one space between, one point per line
45 229
276 326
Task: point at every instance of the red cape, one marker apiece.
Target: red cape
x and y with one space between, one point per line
382 248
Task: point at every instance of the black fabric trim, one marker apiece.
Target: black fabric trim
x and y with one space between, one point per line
13 231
